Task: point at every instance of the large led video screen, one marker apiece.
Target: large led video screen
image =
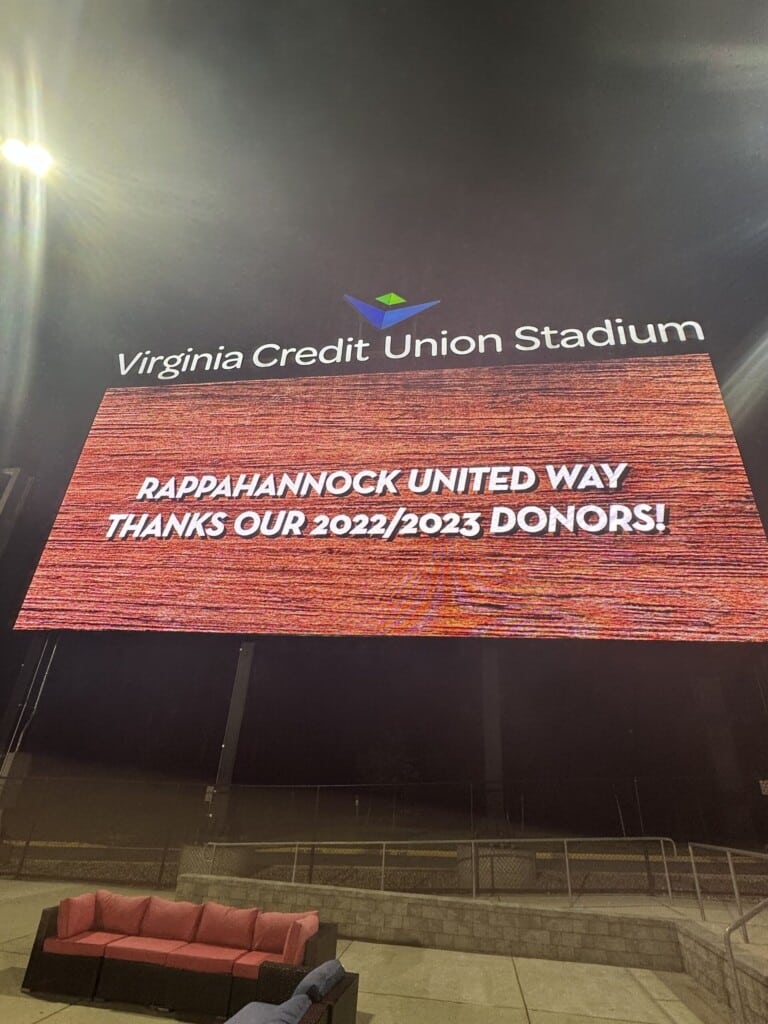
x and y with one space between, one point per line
602 500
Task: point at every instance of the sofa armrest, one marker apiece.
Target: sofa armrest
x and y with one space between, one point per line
316 1014
343 1000
47 927
321 946
54 973
276 982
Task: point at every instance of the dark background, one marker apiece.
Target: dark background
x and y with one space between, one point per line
226 171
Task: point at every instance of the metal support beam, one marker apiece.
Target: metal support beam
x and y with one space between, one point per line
22 707
27 692
492 742
228 755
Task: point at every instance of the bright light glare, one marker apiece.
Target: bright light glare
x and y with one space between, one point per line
14 151
33 157
39 160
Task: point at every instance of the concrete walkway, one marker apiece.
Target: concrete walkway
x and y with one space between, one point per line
399 984
402 985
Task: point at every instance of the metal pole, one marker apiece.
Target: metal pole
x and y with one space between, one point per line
20 865
211 848
736 893
618 808
567 869
492 732
739 999
383 860
474 875
696 881
639 808
649 871
163 859
763 905
27 710
666 868
20 695
295 862
23 705
232 731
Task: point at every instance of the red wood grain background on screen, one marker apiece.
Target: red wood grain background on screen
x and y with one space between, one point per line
704 579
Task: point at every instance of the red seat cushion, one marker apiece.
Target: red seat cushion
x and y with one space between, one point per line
76 915
115 913
142 950
85 944
169 919
298 935
248 966
204 958
272 928
226 926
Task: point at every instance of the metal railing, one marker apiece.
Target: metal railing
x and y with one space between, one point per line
740 922
98 862
478 865
729 853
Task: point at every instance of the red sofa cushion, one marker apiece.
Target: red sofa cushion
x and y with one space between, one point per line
272 928
298 934
85 944
226 926
142 949
169 919
204 958
115 913
248 966
77 914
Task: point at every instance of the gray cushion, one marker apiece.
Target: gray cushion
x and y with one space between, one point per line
289 1012
320 980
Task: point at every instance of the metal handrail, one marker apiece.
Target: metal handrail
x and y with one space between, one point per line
729 852
740 922
540 840
566 843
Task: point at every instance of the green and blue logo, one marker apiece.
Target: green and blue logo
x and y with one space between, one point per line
393 313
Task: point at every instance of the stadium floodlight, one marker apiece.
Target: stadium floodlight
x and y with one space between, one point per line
30 156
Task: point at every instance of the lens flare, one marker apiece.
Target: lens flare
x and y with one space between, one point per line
32 157
39 160
15 152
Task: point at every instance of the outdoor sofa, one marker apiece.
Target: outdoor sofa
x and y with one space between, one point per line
182 956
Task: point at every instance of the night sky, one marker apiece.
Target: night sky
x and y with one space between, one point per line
226 171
